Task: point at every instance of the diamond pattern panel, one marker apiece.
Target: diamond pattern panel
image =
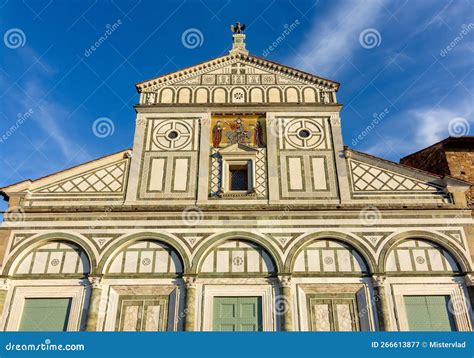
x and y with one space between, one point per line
108 179
216 173
369 178
261 173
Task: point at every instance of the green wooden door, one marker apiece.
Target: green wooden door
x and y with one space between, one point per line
429 313
237 314
45 314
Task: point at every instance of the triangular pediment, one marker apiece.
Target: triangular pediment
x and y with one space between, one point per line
372 175
106 175
238 78
238 148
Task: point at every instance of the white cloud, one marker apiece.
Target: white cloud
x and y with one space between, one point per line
415 129
330 42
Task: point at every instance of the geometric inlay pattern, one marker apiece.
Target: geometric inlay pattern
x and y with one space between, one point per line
369 178
216 173
172 134
237 256
55 257
108 179
420 256
304 133
324 256
146 257
260 173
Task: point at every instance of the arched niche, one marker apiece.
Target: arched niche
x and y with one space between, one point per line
329 257
146 257
54 257
166 95
237 257
420 256
184 95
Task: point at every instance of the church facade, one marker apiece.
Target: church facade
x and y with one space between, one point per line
237 209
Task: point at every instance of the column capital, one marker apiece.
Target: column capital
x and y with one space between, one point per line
378 280
4 283
469 279
285 280
335 119
189 281
95 281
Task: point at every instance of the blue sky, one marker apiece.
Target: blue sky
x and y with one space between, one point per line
410 64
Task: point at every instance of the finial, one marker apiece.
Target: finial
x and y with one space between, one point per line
238 38
238 28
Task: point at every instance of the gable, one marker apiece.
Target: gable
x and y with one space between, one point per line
374 177
105 179
100 180
238 79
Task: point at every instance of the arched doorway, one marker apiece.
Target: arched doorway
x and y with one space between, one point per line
332 287
426 287
142 280
47 292
237 287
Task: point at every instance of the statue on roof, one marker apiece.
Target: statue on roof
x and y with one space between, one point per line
238 28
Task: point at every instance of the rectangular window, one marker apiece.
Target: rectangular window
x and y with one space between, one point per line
235 314
333 314
142 313
429 313
45 314
238 178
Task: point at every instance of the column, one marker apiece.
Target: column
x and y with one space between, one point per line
469 280
381 303
95 285
284 304
4 286
190 304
